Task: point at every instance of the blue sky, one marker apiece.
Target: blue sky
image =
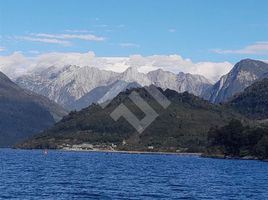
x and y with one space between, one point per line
205 30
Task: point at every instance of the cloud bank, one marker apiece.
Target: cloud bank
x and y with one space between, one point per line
18 64
89 37
60 39
258 48
44 40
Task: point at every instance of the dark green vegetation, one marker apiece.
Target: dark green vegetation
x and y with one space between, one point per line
23 113
182 126
253 102
237 140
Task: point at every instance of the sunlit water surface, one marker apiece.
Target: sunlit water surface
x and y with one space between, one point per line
88 175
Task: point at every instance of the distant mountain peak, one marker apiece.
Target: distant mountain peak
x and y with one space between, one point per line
249 60
243 74
131 69
68 84
159 70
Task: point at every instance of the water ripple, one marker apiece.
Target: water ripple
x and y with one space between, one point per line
84 175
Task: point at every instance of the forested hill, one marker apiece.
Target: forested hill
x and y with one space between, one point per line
253 102
182 126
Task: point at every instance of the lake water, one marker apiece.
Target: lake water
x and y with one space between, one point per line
88 175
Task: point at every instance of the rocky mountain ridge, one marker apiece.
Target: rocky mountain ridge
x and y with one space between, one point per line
67 85
243 74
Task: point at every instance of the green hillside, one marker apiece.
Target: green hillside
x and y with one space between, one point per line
253 102
182 126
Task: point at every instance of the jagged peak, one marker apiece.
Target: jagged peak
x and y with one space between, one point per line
131 70
159 70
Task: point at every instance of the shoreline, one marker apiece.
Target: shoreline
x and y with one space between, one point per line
224 157
133 152
201 155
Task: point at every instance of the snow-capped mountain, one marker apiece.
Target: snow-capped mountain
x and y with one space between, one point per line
68 84
181 82
243 74
102 94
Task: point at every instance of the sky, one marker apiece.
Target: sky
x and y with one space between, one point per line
211 31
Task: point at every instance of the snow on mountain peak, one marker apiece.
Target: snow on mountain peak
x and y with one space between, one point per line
68 84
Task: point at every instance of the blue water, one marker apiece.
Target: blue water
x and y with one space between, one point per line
87 175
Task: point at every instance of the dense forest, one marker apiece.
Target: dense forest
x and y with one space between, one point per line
253 102
237 140
183 126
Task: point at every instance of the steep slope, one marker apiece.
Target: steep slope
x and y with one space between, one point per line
194 84
182 126
253 101
23 113
243 74
102 94
69 84
133 75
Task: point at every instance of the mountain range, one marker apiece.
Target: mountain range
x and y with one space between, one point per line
241 94
183 125
188 124
69 85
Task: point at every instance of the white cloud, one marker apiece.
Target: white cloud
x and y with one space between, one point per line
17 64
60 60
2 49
127 45
257 48
14 64
101 26
89 37
77 31
61 39
211 70
175 63
44 40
